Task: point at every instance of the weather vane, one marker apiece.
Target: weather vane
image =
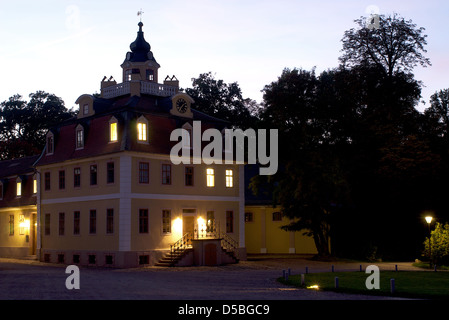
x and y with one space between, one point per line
140 13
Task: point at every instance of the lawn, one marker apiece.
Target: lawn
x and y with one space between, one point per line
412 284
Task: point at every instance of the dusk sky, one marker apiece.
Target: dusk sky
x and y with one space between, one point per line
66 47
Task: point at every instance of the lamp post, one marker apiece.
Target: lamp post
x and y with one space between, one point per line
429 221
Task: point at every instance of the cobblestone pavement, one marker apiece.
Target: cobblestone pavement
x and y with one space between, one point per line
254 279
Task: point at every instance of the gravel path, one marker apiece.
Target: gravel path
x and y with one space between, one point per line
248 280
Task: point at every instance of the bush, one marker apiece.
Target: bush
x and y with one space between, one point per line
439 240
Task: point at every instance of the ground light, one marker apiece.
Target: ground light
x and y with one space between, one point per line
315 287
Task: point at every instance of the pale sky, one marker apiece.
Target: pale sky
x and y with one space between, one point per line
66 47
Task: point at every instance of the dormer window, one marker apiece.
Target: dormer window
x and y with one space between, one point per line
113 135
85 109
19 187
79 137
187 136
50 143
142 129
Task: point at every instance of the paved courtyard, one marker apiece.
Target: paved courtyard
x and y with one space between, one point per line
249 280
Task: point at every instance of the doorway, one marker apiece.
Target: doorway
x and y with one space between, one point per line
188 225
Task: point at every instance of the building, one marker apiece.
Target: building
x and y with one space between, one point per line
263 222
18 211
110 196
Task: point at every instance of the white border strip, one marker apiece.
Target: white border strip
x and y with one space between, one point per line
149 196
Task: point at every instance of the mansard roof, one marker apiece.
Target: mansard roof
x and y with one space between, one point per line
17 167
126 109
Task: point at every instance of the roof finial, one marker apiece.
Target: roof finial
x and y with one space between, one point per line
140 13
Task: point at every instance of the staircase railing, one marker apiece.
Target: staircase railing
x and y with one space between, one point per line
229 244
180 246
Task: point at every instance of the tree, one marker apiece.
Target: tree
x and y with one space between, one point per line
397 45
24 124
223 100
311 185
439 244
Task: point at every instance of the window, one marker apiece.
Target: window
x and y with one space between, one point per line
21 224
189 176
76 222
61 179
77 177
229 179
47 181
141 131
110 221
79 138
19 188
11 225
92 259
143 221
229 221
50 143
166 221
144 172
249 217
34 185
47 224
150 75
93 175
113 136
61 223
210 227
166 174
277 216
110 172
86 109
128 74
210 177
93 221
187 136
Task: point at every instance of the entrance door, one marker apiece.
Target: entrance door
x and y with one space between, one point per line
188 225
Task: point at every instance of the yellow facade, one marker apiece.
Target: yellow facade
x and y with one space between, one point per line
263 233
18 231
126 197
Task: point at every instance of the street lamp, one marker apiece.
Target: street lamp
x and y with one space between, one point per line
429 221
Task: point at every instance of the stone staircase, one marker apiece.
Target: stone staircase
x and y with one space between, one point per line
172 259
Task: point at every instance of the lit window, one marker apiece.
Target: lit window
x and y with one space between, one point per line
210 177
34 185
113 131
21 224
128 74
229 179
142 131
19 188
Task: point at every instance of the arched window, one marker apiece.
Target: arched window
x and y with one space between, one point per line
113 130
79 137
50 143
187 136
142 129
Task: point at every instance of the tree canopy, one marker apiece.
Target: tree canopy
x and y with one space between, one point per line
24 124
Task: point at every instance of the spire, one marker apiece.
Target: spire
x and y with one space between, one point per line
140 48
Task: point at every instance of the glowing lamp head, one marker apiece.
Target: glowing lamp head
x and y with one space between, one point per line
429 219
